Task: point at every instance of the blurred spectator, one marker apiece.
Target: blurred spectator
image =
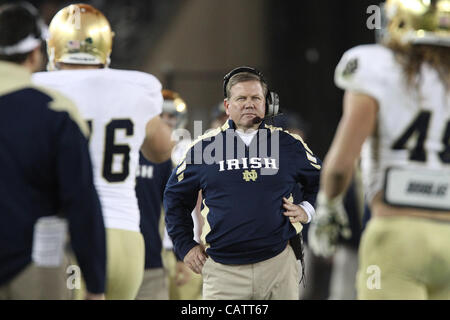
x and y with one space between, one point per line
46 170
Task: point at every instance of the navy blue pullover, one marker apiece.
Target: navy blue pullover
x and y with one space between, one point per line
242 203
45 169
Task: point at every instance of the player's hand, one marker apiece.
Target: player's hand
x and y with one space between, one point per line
196 258
95 296
182 274
329 222
294 212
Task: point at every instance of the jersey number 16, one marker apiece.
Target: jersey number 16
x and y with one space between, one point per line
112 149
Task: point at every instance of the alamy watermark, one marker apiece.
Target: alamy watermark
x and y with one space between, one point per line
374 21
73 281
229 151
374 280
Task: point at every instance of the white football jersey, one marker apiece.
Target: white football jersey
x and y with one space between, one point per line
413 127
117 105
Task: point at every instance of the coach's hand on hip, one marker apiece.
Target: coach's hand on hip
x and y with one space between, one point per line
196 258
294 212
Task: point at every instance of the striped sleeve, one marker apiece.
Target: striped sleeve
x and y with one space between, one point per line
307 170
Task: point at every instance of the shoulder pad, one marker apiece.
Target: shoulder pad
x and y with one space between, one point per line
138 78
61 103
366 69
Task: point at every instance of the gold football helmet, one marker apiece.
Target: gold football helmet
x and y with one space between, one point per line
418 21
175 107
79 34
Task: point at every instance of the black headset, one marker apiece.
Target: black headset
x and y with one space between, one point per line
272 99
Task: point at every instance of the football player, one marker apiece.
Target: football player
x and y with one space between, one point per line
150 183
151 180
218 116
397 111
45 169
121 108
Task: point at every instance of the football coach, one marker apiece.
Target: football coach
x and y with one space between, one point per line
248 172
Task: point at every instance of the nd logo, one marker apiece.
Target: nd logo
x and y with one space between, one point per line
250 175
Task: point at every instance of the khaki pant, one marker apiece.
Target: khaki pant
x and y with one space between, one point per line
38 283
125 264
192 290
273 279
125 254
154 286
404 258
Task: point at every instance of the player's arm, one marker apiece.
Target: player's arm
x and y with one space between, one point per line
80 203
363 83
157 146
357 123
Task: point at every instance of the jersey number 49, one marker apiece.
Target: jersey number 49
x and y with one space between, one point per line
419 130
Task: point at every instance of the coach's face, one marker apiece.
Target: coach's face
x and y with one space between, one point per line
246 102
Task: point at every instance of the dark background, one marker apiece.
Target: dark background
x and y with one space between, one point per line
303 32
303 42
